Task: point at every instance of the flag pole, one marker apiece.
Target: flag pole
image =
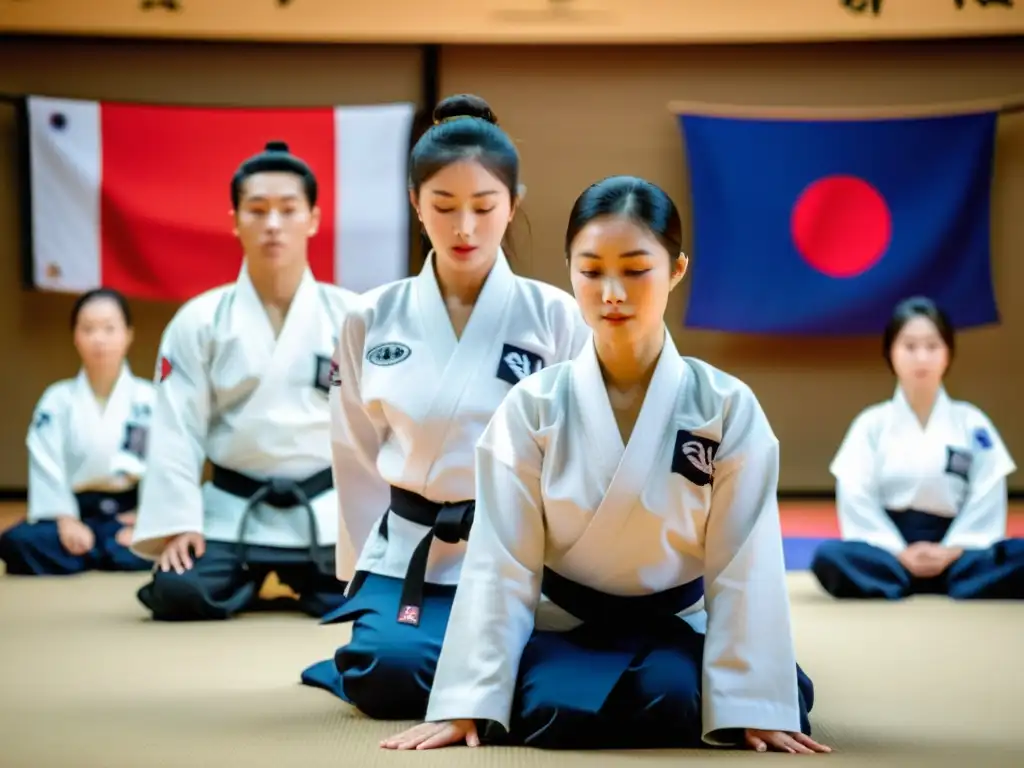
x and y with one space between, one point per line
1004 106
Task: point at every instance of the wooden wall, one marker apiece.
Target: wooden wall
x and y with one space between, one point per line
577 113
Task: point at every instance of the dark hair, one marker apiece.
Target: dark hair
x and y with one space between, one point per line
644 203
907 310
101 293
275 158
464 128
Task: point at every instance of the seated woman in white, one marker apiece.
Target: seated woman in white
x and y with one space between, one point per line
921 484
624 583
86 453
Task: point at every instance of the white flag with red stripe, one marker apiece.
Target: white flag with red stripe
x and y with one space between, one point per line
137 197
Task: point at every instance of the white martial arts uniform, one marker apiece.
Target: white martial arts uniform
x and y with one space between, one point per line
692 496
230 392
412 401
898 482
85 460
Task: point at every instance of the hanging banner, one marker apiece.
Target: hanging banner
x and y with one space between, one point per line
518 21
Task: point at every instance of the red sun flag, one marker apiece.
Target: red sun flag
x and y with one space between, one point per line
841 225
821 226
136 197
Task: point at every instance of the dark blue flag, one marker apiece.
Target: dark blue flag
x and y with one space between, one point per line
823 226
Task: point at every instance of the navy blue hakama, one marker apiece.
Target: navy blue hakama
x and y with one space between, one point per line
387 668
858 570
629 677
34 549
227 579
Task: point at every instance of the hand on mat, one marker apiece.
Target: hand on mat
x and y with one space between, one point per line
781 741
177 554
434 735
75 536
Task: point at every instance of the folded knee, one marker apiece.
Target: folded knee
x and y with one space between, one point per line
829 554
388 683
175 596
20 538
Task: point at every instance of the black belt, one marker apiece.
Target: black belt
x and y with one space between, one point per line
100 504
915 526
280 492
448 521
592 605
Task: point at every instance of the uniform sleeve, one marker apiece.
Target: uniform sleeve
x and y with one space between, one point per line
170 499
356 436
493 614
859 506
749 676
49 487
981 521
131 456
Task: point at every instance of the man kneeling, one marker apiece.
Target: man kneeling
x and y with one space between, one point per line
242 381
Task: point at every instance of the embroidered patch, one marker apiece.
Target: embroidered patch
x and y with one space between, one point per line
165 368
694 457
516 364
388 353
409 614
141 411
41 420
982 438
958 462
324 368
135 438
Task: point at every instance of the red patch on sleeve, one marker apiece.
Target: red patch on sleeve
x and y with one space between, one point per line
165 368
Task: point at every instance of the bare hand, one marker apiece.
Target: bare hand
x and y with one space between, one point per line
176 554
75 536
434 735
917 559
126 518
925 560
782 741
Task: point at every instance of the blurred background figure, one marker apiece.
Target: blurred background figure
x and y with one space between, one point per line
921 483
87 451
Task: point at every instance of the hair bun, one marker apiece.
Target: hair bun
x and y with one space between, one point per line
276 146
464 105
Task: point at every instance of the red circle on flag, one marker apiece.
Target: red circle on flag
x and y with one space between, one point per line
841 225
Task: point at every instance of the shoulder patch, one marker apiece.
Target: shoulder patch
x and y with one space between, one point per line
515 364
982 438
136 438
42 418
694 457
324 370
958 462
165 366
388 353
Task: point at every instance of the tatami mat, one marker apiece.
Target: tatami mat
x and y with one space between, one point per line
89 682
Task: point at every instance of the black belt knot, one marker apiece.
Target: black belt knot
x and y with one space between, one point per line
449 521
280 492
105 504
